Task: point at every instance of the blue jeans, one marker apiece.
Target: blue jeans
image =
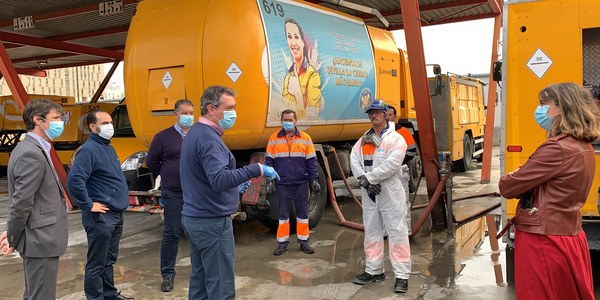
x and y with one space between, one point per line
104 232
211 252
173 204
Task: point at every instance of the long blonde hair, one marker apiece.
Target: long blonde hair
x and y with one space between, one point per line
580 112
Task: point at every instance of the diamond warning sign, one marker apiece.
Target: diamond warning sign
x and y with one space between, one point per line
167 79
234 72
539 63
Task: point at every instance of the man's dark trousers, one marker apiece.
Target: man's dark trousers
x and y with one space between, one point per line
104 232
212 249
290 195
173 204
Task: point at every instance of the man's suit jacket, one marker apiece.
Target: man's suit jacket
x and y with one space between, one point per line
37 215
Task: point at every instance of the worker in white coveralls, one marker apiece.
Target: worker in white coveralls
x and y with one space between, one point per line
376 162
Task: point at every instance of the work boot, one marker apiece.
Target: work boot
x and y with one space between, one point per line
365 278
120 296
167 285
401 285
306 248
280 250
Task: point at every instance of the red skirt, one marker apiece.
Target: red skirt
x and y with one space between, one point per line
552 267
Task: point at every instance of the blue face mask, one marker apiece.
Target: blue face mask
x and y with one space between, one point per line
542 117
288 126
186 121
55 130
229 117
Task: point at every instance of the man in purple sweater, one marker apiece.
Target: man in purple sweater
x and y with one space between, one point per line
211 187
163 159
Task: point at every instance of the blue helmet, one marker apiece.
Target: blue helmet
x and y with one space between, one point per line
376 104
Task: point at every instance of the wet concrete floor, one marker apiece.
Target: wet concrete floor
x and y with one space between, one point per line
443 268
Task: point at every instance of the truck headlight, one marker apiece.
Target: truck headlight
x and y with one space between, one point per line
134 161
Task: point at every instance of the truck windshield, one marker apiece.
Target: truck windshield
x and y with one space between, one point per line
121 122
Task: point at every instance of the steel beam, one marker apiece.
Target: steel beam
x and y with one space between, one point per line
12 79
80 35
428 7
57 45
58 55
104 83
495 6
424 23
488 137
64 13
416 57
78 64
31 72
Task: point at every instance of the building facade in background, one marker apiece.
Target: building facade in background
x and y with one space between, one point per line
79 82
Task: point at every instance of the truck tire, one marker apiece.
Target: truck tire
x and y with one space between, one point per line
316 207
464 164
416 171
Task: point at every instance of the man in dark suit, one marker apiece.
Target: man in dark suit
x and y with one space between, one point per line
37 214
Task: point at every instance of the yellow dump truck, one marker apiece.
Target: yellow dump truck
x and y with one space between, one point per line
73 135
175 49
538 53
459 117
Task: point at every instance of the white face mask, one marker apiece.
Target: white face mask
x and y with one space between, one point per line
106 131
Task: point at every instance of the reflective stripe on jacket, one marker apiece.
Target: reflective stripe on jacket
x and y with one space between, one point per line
294 159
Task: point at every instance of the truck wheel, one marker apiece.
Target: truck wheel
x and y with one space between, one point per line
464 164
316 207
317 202
416 171
268 222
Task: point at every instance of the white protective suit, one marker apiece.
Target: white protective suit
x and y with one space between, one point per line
390 207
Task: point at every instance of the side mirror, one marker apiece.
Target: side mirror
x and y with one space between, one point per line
437 70
497 75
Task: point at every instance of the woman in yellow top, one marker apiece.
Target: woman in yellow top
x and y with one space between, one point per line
302 85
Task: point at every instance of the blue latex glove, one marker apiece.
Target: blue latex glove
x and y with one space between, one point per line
270 173
244 186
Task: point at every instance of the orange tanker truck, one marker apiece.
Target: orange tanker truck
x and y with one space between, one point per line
175 49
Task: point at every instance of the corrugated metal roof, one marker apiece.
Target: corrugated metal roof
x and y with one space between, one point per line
78 22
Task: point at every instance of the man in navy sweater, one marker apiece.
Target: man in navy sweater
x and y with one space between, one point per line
99 188
211 187
163 159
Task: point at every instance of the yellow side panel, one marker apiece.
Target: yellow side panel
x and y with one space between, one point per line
554 27
407 111
386 60
163 34
165 87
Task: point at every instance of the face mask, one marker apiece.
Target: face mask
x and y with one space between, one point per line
186 121
542 117
229 117
55 130
288 126
106 131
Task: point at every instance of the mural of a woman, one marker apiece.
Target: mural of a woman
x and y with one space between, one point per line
302 84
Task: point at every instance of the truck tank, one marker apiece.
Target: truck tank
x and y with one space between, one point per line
176 49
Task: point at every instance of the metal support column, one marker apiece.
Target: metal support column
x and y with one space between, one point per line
488 137
104 83
12 79
412 27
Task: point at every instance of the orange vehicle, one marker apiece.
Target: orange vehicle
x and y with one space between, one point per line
175 49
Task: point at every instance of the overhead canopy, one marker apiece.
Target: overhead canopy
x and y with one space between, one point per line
73 32
65 33
433 12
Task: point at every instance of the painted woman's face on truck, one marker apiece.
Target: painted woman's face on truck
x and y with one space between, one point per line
295 42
